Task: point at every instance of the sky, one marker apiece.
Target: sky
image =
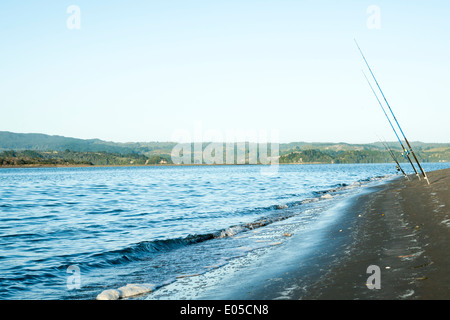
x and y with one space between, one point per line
137 71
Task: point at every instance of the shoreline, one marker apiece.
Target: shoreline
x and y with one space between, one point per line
32 166
403 227
283 273
405 231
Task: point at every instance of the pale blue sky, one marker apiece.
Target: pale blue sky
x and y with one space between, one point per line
141 70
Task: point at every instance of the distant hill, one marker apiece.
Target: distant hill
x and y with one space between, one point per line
294 152
43 142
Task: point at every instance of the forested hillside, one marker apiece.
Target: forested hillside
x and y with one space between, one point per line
40 149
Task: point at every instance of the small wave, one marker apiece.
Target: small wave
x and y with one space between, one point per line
229 232
310 200
333 188
142 249
344 186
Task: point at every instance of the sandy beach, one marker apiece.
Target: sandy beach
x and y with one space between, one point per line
401 227
404 229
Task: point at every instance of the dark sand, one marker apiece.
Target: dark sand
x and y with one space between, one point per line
404 228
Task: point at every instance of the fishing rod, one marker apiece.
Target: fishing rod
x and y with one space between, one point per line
399 140
406 140
399 168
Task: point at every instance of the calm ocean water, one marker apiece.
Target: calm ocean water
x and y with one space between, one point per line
121 225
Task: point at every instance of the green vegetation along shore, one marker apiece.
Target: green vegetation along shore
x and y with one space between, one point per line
30 149
74 158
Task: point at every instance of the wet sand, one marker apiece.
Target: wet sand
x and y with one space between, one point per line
404 229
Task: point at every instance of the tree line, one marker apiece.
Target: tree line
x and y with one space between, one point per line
90 158
352 156
69 157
